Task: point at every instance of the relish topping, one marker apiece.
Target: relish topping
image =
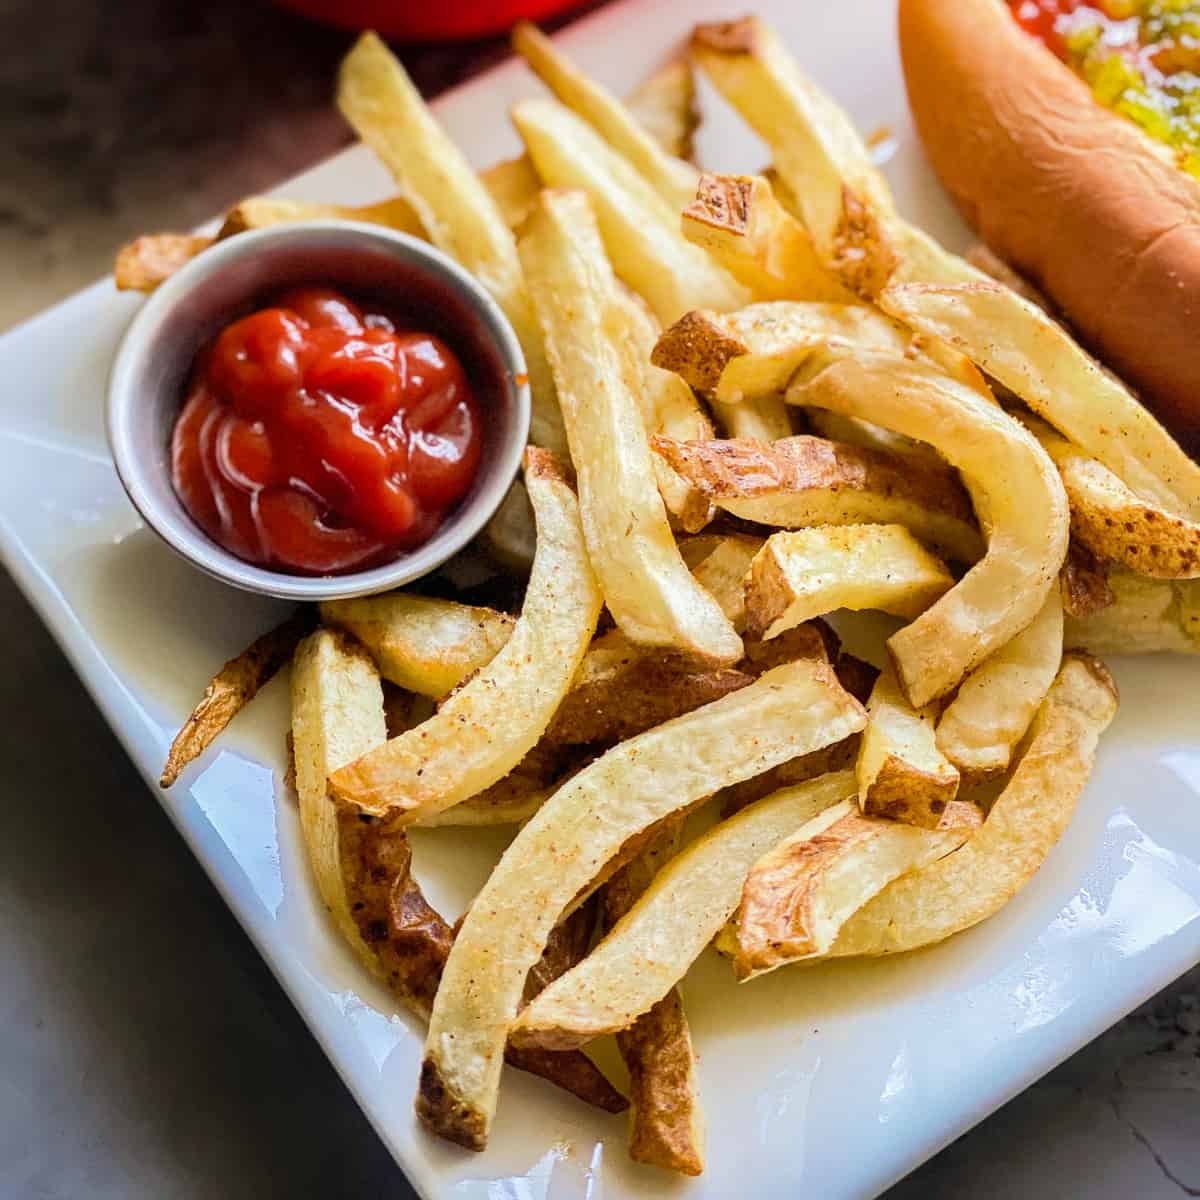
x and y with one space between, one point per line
1141 58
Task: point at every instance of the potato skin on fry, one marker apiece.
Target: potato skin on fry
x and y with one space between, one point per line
232 688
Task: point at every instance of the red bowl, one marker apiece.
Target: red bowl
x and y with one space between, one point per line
428 20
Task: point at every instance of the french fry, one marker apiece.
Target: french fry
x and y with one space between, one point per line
666 1128
855 431
1114 523
377 97
1000 461
902 773
231 689
845 204
801 892
337 716
1034 358
1146 616
737 219
982 258
650 593
1021 828
421 644
640 230
993 708
513 185
672 179
486 727
152 258
654 944
411 941
810 572
755 352
560 852
259 212
801 481
665 107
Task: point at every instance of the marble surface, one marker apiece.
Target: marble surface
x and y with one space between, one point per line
145 1051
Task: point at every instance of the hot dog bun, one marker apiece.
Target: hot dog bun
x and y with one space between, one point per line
1075 197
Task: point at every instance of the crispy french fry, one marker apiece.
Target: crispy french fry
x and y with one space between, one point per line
855 431
337 716
1000 461
1113 522
558 855
421 644
152 258
666 1128
804 889
672 179
1022 826
486 727
640 230
737 219
845 204
231 689
902 773
810 572
513 184
994 706
802 481
377 97
259 212
1033 357
653 945
1146 616
650 593
756 351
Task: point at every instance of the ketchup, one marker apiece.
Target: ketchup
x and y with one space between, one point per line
318 437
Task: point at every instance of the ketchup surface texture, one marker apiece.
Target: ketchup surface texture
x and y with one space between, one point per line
318 437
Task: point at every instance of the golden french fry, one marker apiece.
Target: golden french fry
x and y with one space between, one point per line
231 689
665 107
994 706
672 179
654 944
650 593
259 212
902 773
486 727
666 1128
1083 582
377 97
152 258
1002 463
737 219
1021 828
1034 358
720 563
1146 616
845 204
421 644
640 230
558 855
810 572
801 481
801 892
1113 522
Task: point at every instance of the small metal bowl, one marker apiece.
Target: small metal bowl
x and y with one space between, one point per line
233 277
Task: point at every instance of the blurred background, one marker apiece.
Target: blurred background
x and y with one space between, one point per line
145 1050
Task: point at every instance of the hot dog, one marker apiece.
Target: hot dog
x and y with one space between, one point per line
1102 217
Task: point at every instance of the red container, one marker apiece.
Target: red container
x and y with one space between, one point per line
429 20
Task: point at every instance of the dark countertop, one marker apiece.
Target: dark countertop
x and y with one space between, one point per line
145 1050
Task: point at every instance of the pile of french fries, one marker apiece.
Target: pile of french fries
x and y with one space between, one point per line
757 401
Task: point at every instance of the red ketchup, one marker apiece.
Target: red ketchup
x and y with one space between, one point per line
318 437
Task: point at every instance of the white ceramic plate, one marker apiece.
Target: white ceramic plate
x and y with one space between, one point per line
829 1082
